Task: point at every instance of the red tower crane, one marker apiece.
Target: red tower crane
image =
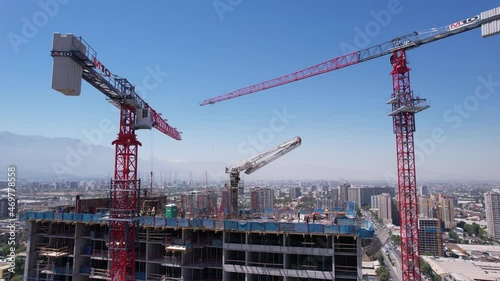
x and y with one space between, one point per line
74 59
404 107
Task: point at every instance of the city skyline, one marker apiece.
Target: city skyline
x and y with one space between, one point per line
209 53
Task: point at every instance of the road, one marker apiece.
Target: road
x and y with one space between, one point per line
396 258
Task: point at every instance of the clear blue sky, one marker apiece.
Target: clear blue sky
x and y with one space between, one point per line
341 116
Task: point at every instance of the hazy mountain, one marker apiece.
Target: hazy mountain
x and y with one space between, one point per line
39 157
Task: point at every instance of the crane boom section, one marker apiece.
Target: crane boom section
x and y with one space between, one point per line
118 91
407 42
260 160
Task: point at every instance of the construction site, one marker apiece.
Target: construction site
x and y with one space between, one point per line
126 237
76 247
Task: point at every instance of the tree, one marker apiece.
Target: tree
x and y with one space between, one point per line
380 220
19 265
425 267
17 278
454 236
383 273
380 257
396 239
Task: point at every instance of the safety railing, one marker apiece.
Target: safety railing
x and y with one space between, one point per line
360 228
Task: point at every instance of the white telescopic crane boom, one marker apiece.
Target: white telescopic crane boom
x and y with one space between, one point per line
253 165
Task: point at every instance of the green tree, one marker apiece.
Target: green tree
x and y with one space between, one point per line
396 239
454 236
425 267
436 277
17 278
380 220
380 257
19 265
383 273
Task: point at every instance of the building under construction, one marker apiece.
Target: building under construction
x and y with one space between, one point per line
74 247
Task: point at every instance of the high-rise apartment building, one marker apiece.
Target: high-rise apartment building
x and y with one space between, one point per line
261 198
295 192
343 192
429 243
447 212
492 202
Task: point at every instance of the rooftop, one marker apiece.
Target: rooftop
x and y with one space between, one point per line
465 269
344 226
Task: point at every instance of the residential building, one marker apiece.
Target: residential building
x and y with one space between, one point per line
492 202
261 198
447 212
295 192
429 242
343 192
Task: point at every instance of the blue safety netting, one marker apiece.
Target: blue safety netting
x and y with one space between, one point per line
231 225
300 227
87 217
245 226
346 229
147 221
257 226
160 221
316 228
344 225
183 222
196 223
272 226
365 233
287 227
333 229
208 224
172 222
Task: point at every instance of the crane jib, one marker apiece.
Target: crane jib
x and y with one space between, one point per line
463 23
97 64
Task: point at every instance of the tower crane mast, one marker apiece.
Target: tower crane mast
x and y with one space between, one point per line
255 164
74 59
404 107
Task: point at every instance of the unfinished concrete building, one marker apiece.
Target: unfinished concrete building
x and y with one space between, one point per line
74 247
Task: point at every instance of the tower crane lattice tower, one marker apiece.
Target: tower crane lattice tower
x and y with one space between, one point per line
404 107
74 59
